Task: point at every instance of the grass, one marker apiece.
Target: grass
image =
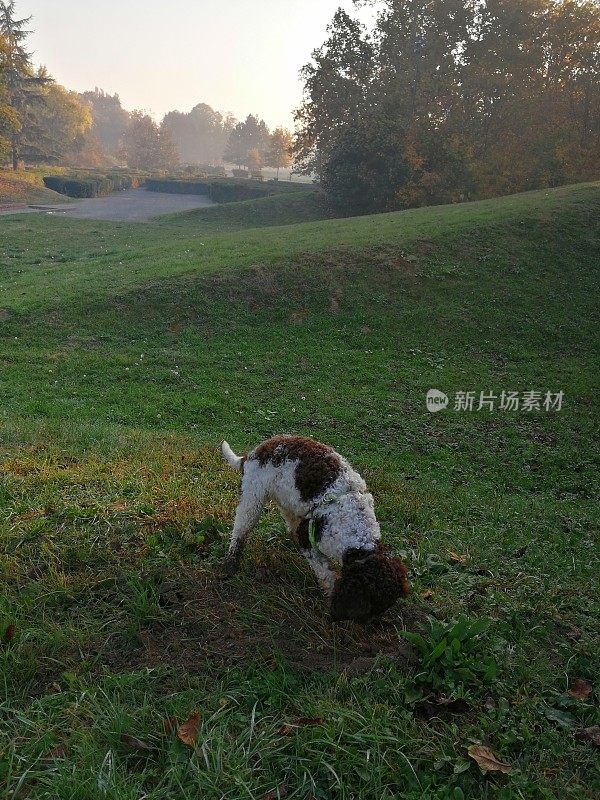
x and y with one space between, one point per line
27 187
285 209
129 351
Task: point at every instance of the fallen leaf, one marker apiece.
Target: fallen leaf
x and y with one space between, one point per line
117 506
456 557
487 760
188 732
580 689
593 734
135 743
561 718
8 634
303 722
426 594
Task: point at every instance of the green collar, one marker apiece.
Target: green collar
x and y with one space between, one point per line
311 533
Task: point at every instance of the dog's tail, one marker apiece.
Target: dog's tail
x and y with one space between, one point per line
235 462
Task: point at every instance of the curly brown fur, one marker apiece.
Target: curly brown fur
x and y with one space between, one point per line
318 465
370 584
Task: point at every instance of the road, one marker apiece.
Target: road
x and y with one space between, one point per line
137 205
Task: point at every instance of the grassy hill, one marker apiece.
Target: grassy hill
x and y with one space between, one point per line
284 209
26 186
129 351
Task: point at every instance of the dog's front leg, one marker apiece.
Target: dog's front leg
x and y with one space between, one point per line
246 517
320 566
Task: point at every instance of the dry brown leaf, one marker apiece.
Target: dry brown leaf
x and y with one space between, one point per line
580 689
118 506
593 734
188 732
303 722
426 594
456 557
487 760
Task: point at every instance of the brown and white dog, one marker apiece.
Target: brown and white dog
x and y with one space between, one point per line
329 514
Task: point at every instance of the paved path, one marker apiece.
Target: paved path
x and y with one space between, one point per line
137 205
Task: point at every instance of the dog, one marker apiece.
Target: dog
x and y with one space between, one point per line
330 516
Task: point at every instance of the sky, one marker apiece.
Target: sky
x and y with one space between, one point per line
242 56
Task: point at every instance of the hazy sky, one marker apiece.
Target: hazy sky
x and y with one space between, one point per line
241 56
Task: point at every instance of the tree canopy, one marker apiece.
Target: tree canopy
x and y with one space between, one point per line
446 100
110 119
148 146
280 149
201 135
22 86
250 135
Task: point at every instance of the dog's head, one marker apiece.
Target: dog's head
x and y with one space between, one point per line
370 584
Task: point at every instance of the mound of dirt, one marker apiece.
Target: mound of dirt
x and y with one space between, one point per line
210 620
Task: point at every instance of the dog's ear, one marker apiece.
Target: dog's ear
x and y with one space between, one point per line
400 575
388 582
350 600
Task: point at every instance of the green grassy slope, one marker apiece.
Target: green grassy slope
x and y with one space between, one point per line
129 351
26 187
284 209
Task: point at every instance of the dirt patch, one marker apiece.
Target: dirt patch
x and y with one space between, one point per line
214 622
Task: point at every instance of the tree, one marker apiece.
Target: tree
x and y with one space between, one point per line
201 135
452 99
110 120
280 149
254 159
252 134
169 154
236 150
336 88
22 84
149 147
9 122
56 126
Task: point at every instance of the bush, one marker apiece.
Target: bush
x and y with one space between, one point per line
224 190
92 185
174 186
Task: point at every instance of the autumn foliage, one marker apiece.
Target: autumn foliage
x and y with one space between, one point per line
449 100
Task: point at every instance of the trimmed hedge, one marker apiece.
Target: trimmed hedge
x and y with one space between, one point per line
224 191
178 186
91 185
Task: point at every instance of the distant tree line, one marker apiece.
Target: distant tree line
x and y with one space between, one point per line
42 122
447 100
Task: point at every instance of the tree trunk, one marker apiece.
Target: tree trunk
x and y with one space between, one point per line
277 173
15 153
